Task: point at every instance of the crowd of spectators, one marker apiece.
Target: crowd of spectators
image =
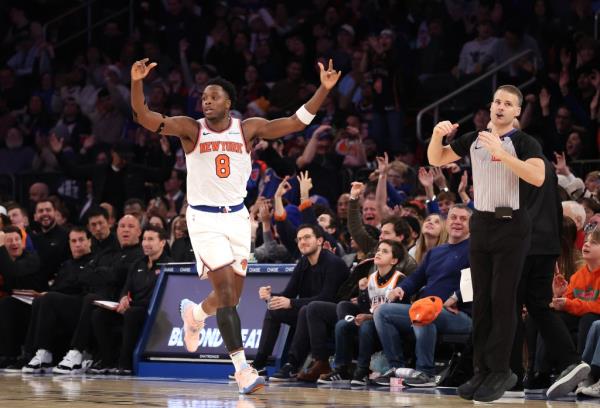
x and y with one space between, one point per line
75 167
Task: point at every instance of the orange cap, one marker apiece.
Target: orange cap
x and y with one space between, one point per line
425 311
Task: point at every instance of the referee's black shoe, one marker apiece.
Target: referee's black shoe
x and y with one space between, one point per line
494 386
468 389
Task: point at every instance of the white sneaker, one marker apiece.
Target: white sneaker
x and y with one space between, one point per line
585 383
191 327
592 390
40 363
70 364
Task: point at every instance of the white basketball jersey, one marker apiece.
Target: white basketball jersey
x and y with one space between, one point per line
378 294
219 166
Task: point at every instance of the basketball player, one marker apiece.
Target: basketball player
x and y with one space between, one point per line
218 167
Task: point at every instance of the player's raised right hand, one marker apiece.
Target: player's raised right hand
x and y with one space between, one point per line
140 69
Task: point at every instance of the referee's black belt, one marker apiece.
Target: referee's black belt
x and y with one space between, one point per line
221 209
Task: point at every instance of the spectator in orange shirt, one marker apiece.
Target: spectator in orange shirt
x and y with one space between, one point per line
579 301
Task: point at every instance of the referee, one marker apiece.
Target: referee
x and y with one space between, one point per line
504 160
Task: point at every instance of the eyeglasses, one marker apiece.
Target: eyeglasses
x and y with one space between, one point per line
589 227
304 237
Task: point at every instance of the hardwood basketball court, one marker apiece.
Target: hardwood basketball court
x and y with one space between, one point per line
94 391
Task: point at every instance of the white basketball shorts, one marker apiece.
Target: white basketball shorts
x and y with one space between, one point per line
219 239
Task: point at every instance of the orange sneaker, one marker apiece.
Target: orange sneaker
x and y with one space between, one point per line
249 381
191 326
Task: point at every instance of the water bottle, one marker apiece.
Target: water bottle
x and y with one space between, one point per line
404 372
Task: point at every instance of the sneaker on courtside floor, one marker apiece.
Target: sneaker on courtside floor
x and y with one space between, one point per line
39 364
248 380
191 327
70 364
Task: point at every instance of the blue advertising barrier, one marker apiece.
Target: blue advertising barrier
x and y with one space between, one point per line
160 351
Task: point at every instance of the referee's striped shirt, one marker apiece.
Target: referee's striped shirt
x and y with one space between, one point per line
494 184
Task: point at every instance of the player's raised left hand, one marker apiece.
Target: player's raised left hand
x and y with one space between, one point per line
329 76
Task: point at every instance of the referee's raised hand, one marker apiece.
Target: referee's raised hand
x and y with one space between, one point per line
444 128
490 142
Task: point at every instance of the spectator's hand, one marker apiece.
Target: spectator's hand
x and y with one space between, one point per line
327 246
383 164
363 284
444 128
395 294
565 58
183 45
256 207
165 146
451 305
265 212
438 177
261 145
280 302
305 185
451 167
56 144
361 318
530 98
354 301
123 304
561 164
559 285
558 303
356 189
329 76
89 142
318 131
464 182
283 187
563 80
139 69
544 99
264 292
425 177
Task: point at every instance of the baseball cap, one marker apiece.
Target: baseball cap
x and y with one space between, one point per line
425 310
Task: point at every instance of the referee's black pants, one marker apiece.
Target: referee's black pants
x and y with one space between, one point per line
54 317
270 331
498 249
535 292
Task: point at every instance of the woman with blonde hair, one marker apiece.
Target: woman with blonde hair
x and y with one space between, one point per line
433 233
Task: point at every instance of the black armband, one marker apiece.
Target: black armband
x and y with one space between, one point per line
161 126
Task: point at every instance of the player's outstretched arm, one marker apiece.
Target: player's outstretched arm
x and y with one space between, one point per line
183 127
273 129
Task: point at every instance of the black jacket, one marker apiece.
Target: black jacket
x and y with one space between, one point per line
67 279
52 247
182 251
141 279
108 271
318 282
22 273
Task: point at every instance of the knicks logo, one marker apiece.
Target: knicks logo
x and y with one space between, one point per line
244 264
